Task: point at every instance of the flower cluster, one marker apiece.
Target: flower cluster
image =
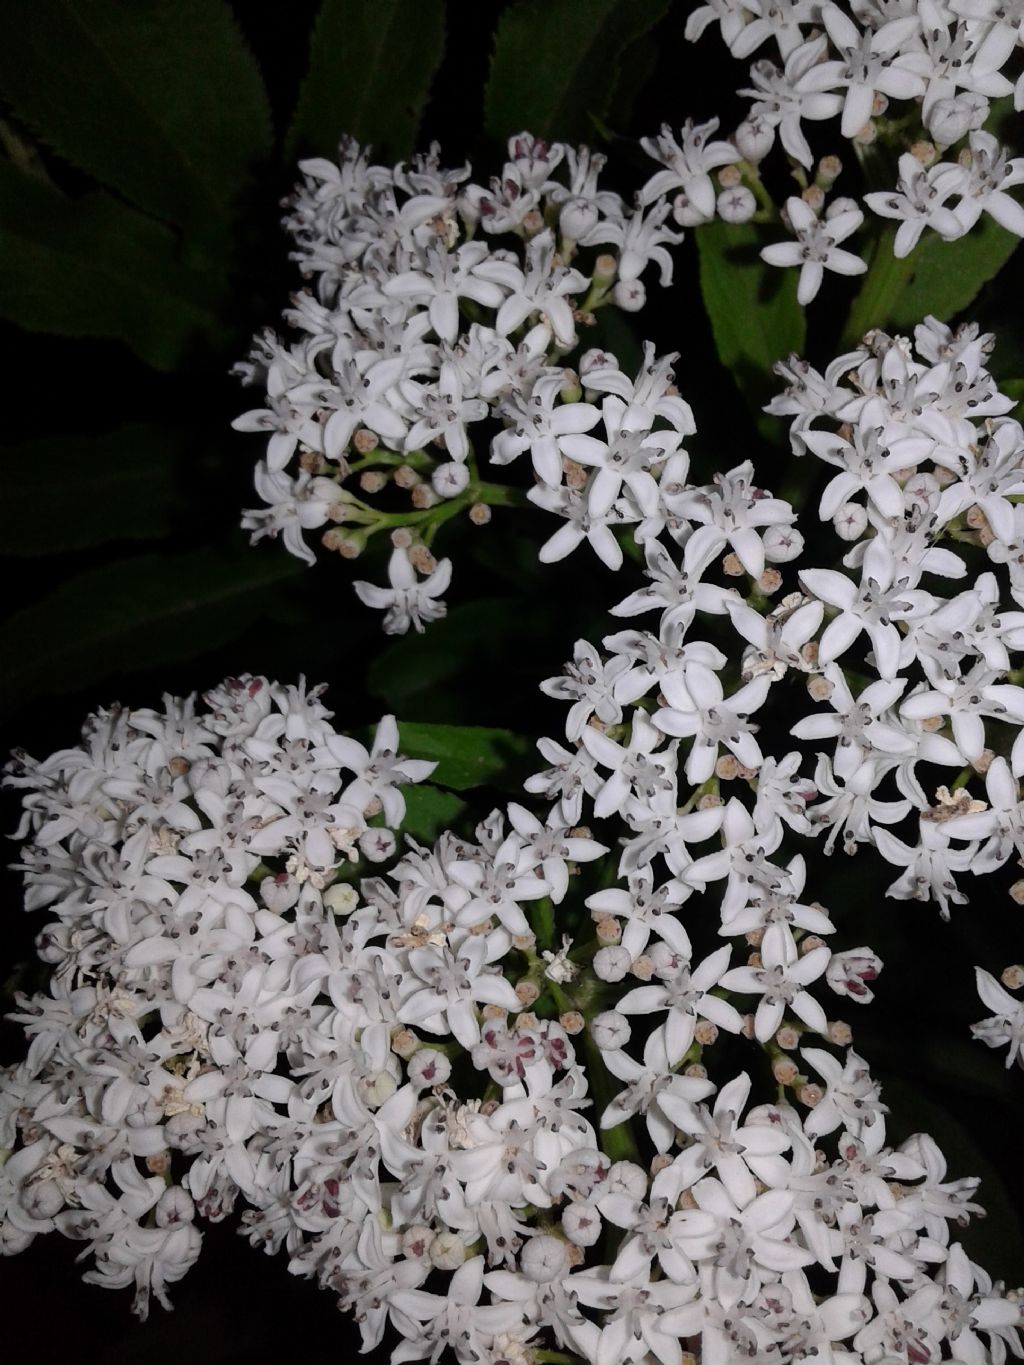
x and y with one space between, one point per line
494 1137
435 303
187 855
919 78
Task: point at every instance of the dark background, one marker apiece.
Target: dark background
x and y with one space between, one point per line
514 623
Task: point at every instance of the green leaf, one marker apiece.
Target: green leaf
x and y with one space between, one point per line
70 493
369 75
938 277
93 267
754 315
556 63
134 614
468 755
159 99
429 811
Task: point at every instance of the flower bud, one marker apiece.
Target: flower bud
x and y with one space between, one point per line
611 963
428 1067
374 1089
781 544
449 480
364 441
572 1021
754 139
949 120
42 1198
850 521
829 170
788 1037
416 1241
174 1206
629 295
610 1030
608 929
810 1095
479 514
581 1223
280 893
706 1033
729 177
341 898
404 1042
1012 977
372 480
840 1033
736 205
578 217
377 844
544 1258
785 1070
447 1251
527 992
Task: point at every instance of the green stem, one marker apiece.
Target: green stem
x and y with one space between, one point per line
886 279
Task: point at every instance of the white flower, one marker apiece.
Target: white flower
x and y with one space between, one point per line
816 247
407 602
781 981
1006 1026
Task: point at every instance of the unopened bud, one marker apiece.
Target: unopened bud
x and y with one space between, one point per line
533 222
866 135
449 480
341 898
850 521
404 1042
416 1241
629 295
401 537
406 477
814 197
709 801
810 1094
785 1070
608 929
736 205
727 767
770 581
447 1251
605 267
642 968
575 474
365 440
754 139
729 176
696 1072
342 543
788 1037
1012 977
924 151
491 1011
372 480
159 1163
422 560
423 496
526 1022
829 170
571 390
572 1021
479 514
706 1033
1017 892
840 1033
527 992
